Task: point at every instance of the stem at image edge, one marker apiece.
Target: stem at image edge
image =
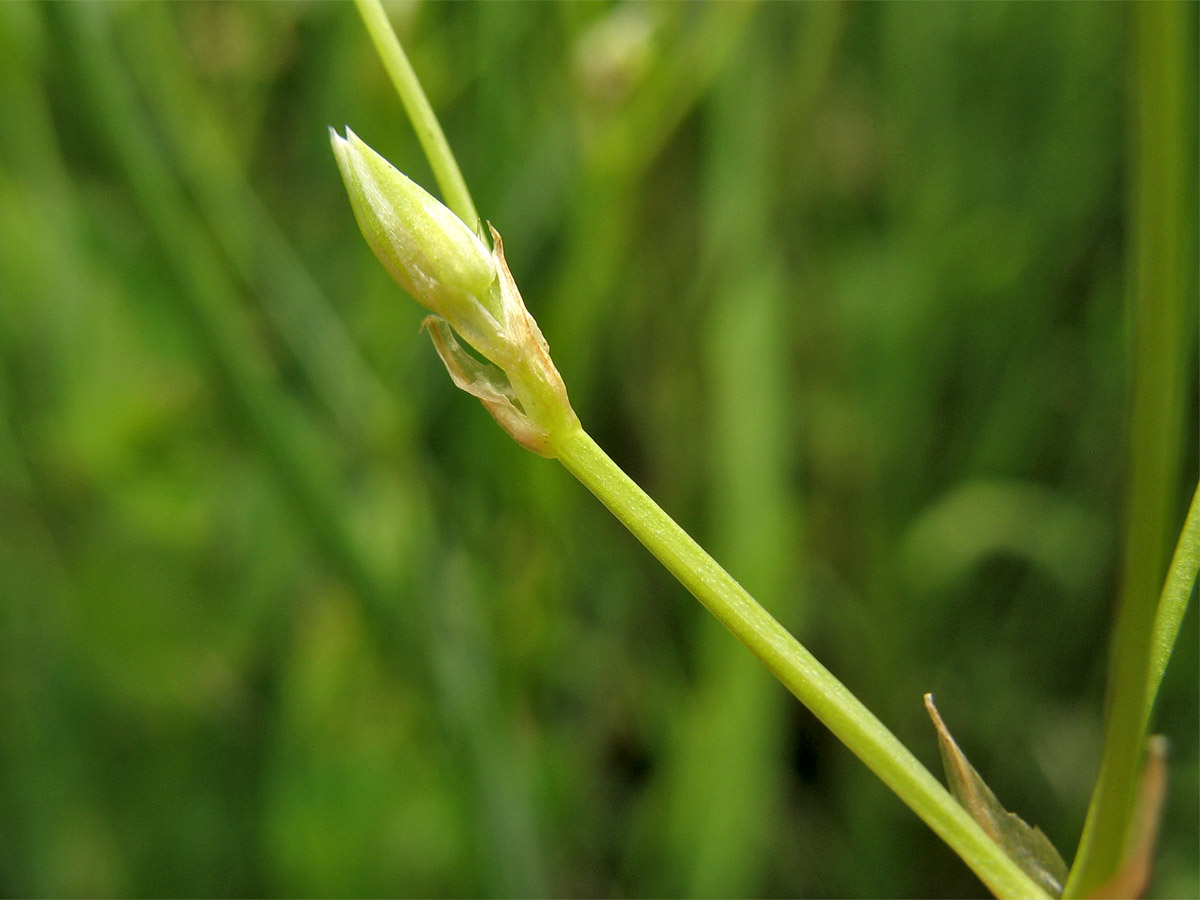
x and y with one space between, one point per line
800 672
429 132
1161 315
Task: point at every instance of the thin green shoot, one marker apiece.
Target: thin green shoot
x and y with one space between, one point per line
562 437
420 113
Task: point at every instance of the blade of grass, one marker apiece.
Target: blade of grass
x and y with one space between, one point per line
726 771
249 236
290 442
1159 316
616 161
294 446
1173 603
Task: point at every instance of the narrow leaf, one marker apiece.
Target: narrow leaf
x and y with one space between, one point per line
1176 594
1025 845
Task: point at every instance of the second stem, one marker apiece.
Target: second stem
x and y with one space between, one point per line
798 670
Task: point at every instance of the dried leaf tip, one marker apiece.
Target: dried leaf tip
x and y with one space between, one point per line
1025 845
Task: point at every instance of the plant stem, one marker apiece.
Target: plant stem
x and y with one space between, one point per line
445 168
1159 313
799 671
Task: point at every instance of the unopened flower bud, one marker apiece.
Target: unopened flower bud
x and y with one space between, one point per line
423 245
447 268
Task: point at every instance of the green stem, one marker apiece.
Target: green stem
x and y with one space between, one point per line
792 664
1159 316
420 113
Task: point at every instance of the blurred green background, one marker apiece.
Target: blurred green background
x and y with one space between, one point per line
844 287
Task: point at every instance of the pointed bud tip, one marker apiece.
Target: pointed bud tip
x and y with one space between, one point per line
342 143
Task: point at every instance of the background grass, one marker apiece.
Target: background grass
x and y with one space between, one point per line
283 613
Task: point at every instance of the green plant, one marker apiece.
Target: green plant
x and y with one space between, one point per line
439 255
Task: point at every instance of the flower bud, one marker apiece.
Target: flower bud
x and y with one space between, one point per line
424 246
447 268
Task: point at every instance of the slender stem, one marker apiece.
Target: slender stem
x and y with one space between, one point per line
792 664
420 113
778 650
1159 315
